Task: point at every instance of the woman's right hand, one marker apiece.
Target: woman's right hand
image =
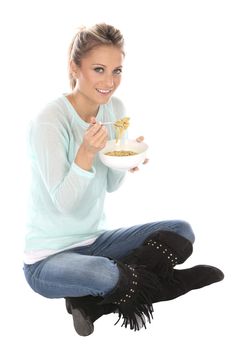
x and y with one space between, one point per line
95 137
94 140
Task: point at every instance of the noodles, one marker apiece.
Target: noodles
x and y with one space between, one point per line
121 125
121 153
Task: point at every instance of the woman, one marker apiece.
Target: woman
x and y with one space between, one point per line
69 251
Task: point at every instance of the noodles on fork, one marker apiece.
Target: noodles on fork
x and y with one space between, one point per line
121 125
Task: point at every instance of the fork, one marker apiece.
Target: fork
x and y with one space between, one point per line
108 123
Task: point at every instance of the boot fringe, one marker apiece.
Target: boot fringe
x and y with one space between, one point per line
135 319
133 296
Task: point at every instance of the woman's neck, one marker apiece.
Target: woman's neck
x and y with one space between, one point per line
84 108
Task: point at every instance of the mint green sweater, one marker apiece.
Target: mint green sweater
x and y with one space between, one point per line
66 206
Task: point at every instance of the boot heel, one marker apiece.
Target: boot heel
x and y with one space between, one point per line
85 311
82 323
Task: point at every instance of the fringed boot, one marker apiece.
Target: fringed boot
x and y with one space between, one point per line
131 298
160 253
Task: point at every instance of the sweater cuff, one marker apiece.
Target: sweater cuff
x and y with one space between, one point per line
118 172
91 173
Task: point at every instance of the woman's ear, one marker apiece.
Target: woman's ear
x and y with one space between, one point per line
74 70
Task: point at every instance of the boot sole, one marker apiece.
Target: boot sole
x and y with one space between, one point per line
82 323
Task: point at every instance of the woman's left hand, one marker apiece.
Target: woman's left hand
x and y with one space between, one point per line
139 139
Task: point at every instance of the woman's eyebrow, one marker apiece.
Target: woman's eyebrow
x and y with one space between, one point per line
98 64
102 65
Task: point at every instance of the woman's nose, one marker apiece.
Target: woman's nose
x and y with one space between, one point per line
109 81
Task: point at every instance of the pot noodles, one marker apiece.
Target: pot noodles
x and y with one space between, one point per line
121 153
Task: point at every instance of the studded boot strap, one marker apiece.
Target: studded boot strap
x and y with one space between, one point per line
164 250
129 293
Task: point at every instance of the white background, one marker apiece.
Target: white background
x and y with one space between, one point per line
177 87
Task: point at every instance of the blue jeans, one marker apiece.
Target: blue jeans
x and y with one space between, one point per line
88 270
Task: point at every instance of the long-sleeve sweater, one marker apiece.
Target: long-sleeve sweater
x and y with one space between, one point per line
66 204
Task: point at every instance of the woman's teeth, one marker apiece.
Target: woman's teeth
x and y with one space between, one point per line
104 91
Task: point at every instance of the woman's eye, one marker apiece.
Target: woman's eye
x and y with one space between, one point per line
117 71
99 69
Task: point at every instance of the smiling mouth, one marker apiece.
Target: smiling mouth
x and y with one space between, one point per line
104 91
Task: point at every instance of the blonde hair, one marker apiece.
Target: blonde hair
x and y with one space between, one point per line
87 39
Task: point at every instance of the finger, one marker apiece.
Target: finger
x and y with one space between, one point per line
101 142
140 139
133 170
146 161
101 135
93 120
94 129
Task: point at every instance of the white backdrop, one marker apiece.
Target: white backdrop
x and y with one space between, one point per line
177 87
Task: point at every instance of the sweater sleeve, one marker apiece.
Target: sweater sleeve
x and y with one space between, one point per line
64 180
115 179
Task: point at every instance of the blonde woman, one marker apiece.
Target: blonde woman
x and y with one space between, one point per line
69 251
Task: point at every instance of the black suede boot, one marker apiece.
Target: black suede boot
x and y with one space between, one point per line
131 298
183 281
160 252
85 311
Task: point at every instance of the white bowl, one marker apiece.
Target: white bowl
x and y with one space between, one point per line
123 162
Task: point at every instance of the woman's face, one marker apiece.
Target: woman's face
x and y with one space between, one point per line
99 74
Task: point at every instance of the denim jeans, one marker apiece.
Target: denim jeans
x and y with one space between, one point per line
88 270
